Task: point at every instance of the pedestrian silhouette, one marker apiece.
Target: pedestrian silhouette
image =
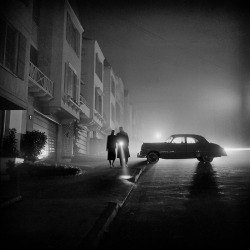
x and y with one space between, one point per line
123 147
111 147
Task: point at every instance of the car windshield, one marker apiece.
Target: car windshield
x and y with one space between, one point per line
169 139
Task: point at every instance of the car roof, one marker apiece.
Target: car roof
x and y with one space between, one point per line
198 137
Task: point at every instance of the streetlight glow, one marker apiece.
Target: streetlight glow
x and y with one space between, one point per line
158 135
236 149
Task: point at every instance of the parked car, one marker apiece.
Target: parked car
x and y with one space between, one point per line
182 146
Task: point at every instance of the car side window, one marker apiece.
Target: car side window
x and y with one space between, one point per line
179 140
169 139
191 140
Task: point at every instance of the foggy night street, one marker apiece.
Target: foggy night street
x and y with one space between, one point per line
186 203
93 96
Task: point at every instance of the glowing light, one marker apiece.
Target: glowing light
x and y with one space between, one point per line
44 153
125 177
121 143
158 135
236 149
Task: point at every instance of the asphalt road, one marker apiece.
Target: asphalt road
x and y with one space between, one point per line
184 203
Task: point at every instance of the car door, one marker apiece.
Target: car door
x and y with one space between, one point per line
177 148
192 144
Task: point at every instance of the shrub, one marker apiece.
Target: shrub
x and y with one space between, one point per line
10 144
46 169
76 138
10 167
32 144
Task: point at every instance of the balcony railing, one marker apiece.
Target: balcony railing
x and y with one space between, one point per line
99 117
41 79
83 101
71 103
85 109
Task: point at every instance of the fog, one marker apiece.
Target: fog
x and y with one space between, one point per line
182 65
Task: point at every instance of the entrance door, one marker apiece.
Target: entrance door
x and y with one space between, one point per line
177 148
50 128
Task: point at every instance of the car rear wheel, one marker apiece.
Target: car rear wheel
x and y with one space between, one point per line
152 157
207 158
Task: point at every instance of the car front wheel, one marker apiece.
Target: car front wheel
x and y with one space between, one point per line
152 157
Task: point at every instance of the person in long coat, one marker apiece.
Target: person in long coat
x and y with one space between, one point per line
123 147
111 148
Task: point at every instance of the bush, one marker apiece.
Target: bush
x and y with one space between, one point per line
10 144
32 144
10 167
47 170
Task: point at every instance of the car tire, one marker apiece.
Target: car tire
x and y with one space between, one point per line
206 158
152 158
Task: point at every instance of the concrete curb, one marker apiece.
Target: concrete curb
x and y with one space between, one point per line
137 175
11 201
93 237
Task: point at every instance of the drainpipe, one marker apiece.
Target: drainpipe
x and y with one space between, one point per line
2 132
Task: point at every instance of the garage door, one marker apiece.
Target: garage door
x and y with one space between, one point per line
50 128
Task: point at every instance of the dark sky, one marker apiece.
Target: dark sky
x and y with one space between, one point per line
180 61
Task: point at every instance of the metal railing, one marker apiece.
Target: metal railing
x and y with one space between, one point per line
69 100
83 100
40 78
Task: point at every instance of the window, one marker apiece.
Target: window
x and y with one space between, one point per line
112 112
36 12
72 35
12 49
191 140
169 139
98 100
71 83
118 113
21 56
98 67
33 55
113 87
179 140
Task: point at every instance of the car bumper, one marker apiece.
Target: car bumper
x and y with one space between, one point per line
223 152
140 156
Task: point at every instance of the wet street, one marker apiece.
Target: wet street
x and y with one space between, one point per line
184 203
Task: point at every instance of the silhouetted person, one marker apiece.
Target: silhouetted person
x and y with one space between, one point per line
111 146
123 143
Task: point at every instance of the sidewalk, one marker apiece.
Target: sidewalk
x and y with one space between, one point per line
69 212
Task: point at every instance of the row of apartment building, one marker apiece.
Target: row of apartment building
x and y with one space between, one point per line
52 77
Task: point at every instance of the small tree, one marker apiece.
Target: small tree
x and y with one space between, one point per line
32 144
76 138
10 144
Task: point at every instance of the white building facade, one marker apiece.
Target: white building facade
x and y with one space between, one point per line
48 61
55 80
92 88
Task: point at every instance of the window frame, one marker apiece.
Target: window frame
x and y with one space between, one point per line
73 36
12 49
71 82
36 12
98 67
98 101
118 112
